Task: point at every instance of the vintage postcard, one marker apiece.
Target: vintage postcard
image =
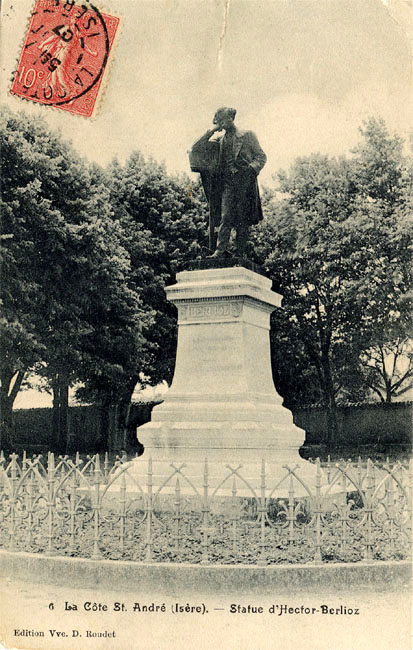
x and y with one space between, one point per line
164 78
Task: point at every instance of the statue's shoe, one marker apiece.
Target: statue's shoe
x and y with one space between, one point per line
221 254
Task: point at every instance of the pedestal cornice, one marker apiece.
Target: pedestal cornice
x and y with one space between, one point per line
228 283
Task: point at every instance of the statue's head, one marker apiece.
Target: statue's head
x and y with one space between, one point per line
224 117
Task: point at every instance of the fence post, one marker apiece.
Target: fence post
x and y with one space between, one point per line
389 505
13 496
262 510
368 509
344 513
235 514
149 511
360 474
205 517
72 509
51 471
122 515
177 514
291 514
317 513
328 469
97 477
29 501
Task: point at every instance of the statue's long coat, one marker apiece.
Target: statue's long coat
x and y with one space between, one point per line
247 155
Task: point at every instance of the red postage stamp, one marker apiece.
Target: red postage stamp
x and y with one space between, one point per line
65 52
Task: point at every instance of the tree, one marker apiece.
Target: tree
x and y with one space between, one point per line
385 178
337 247
63 269
381 173
29 221
301 246
163 224
388 368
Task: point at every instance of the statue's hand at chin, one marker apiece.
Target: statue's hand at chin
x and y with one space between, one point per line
214 129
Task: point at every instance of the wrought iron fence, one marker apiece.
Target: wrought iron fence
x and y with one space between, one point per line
87 508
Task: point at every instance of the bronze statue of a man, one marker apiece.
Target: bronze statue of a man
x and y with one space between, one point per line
229 166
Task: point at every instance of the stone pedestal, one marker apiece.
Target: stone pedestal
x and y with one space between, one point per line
222 404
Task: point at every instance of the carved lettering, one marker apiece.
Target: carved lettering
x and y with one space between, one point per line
210 311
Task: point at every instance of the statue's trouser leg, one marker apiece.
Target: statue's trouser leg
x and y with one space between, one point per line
242 237
227 217
242 189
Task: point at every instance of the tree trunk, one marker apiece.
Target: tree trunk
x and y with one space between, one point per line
112 432
6 421
117 434
389 394
332 423
8 393
123 424
329 401
60 413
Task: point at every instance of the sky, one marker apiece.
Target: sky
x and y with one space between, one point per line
302 74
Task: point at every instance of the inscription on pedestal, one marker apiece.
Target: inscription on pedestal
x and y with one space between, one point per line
209 311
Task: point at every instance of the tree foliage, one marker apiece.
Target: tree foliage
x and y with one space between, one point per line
162 221
63 267
338 247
